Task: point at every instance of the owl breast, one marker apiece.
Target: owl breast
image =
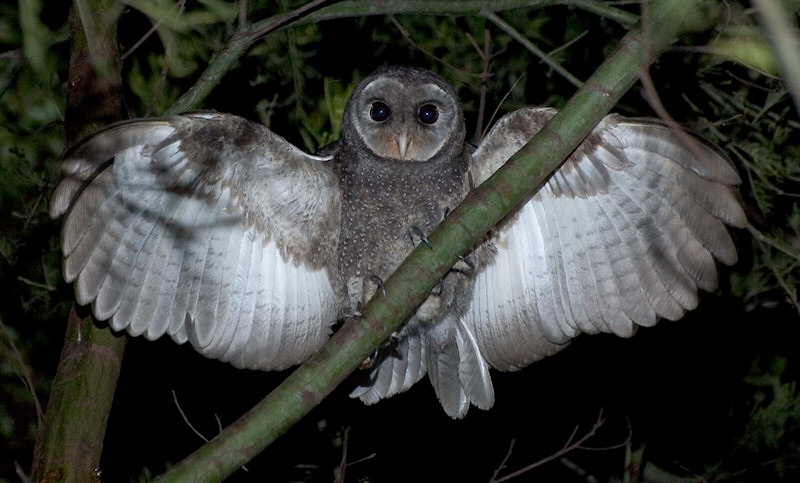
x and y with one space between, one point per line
383 201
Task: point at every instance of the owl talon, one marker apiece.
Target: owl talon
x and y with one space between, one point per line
415 230
349 313
367 364
379 282
388 349
464 265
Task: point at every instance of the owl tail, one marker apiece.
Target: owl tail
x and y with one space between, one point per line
458 372
448 352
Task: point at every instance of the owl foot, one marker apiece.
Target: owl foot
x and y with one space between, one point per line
350 313
447 212
379 283
464 265
415 230
388 349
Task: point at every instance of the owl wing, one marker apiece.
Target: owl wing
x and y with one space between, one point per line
622 234
207 227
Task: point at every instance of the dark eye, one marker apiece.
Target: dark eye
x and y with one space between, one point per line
379 112
428 114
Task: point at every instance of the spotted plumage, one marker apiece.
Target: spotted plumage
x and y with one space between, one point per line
214 230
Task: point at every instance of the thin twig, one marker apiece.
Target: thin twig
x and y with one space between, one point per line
567 44
781 281
428 53
185 419
779 245
532 48
651 96
343 463
487 65
764 177
697 49
188 423
613 446
181 6
475 45
14 55
23 478
605 9
497 109
242 15
141 40
33 211
568 446
287 18
160 86
49 288
361 460
502 465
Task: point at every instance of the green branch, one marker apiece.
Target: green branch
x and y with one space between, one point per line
244 38
414 279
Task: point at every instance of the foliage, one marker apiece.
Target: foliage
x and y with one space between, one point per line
297 81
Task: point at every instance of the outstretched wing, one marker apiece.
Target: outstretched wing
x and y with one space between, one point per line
622 234
207 227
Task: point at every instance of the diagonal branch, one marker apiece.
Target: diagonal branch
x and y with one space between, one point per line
533 49
413 280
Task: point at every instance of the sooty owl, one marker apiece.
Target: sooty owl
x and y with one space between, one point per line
214 230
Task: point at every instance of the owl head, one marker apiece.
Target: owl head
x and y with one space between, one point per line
405 114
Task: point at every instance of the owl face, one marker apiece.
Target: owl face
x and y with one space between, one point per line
405 117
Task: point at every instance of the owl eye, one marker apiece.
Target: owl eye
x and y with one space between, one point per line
379 112
428 114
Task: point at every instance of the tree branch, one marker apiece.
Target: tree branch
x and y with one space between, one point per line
569 446
415 278
70 443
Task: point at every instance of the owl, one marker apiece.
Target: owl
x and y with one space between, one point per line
215 231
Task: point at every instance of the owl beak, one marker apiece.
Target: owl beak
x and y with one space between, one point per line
402 145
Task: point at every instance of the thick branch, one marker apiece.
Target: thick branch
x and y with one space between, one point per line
69 445
414 279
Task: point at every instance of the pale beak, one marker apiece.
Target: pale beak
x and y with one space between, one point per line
402 145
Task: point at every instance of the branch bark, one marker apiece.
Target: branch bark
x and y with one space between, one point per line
415 278
69 444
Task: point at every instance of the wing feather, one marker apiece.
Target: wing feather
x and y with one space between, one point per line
625 232
206 227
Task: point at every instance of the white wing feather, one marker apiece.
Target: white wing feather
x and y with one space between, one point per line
625 232
206 227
